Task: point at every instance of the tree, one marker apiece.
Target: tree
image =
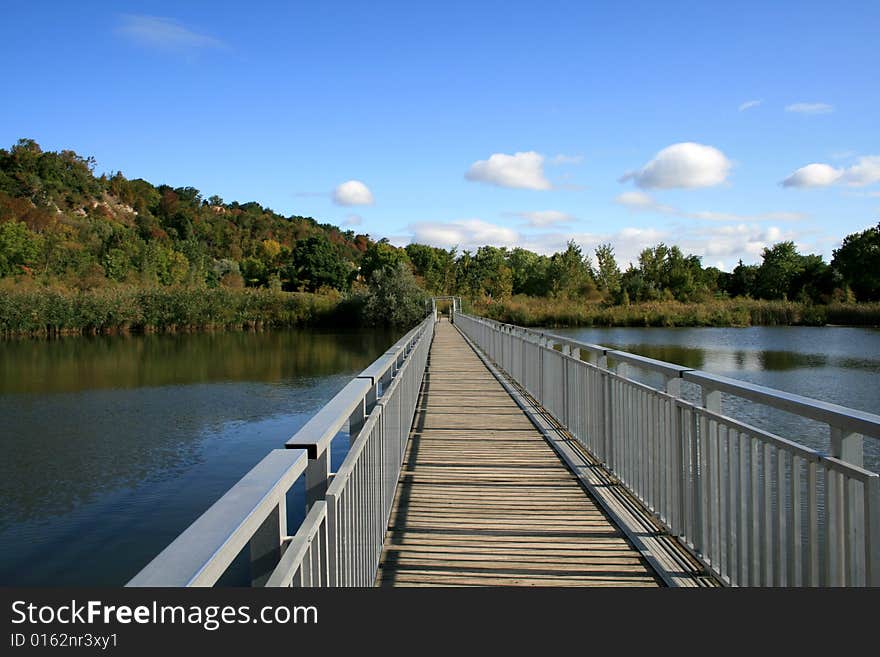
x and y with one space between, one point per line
607 273
315 264
742 280
858 261
433 265
782 274
381 255
570 273
19 248
491 273
529 272
394 298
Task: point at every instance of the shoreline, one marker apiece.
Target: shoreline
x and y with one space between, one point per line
739 312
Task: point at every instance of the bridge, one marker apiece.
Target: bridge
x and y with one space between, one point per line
486 454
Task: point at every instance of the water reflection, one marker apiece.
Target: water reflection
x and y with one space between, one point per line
789 360
113 446
74 364
694 357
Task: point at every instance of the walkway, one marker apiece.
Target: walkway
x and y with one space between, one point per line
483 500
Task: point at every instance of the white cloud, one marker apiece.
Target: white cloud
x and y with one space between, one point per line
740 241
685 164
810 108
544 217
517 171
163 33
813 175
749 104
352 192
864 172
465 233
566 159
708 215
353 220
641 202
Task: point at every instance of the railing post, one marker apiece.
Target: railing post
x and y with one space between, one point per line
711 400
677 474
332 541
847 446
358 417
607 411
541 343
265 544
872 531
317 474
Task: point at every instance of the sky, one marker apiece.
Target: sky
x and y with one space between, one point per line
720 127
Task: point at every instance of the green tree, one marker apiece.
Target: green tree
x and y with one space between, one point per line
394 298
433 265
607 271
491 274
780 267
858 261
381 255
571 273
19 248
529 272
742 281
316 264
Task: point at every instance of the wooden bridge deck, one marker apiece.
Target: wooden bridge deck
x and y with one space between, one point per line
483 500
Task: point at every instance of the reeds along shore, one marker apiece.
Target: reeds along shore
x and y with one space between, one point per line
533 311
50 312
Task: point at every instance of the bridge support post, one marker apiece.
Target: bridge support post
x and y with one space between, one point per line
677 476
265 544
847 446
317 475
356 420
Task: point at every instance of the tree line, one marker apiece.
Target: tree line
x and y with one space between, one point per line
63 226
662 273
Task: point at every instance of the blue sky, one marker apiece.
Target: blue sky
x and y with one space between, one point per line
721 127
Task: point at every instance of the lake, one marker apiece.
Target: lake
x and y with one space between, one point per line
835 364
113 445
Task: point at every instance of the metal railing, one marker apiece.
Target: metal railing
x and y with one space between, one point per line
340 540
755 508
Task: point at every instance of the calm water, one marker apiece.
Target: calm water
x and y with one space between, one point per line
834 364
112 446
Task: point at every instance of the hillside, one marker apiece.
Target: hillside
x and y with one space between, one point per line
61 223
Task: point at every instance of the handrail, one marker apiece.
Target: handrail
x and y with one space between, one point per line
847 419
316 434
753 507
253 511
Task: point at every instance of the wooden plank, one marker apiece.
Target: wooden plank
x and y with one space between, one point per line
483 500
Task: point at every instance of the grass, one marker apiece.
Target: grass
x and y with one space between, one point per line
537 311
38 311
